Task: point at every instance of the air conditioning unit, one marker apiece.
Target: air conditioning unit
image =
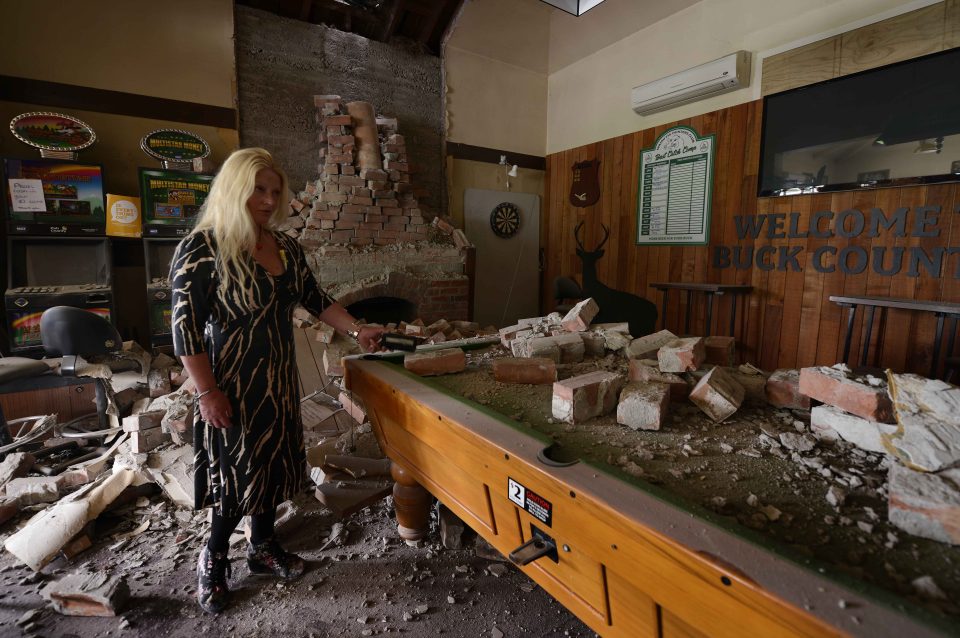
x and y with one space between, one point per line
726 74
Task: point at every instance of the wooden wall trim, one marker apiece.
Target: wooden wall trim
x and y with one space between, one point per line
84 98
911 35
492 156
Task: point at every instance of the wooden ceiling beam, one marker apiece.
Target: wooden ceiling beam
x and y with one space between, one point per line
393 19
306 8
424 21
430 22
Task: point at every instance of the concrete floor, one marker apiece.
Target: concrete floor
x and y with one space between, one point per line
372 584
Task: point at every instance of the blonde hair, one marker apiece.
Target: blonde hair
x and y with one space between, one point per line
225 212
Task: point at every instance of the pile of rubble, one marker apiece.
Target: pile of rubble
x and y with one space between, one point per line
59 481
440 331
911 417
880 454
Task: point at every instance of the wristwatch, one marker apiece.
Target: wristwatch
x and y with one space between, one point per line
353 332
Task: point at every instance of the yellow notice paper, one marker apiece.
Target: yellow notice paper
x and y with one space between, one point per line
123 216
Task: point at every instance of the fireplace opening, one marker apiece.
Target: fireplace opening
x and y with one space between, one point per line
383 310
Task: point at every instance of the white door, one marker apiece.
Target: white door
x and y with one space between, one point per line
507 286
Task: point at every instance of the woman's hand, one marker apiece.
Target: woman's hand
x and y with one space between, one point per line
215 409
368 337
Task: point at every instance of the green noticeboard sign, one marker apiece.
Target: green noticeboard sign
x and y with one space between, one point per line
676 177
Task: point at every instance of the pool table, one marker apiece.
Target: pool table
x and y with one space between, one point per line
628 559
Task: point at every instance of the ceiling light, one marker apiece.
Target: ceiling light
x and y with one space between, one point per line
575 7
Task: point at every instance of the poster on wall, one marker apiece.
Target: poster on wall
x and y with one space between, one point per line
676 176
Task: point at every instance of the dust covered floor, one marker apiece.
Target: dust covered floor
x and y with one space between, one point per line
761 471
366 582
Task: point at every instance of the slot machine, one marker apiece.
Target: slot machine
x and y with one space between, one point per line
171 200
57 251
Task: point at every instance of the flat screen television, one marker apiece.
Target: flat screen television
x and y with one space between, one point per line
53 197
892 126
171 200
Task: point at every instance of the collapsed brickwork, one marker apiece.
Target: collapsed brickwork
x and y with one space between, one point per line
361 224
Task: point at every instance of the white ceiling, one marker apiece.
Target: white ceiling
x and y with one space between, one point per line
573 38
533 35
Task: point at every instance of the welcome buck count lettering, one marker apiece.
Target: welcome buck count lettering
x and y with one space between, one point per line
882 260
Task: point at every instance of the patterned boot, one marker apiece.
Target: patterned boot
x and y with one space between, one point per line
212 571
268 558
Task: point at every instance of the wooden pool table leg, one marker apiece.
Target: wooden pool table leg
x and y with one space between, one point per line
412 505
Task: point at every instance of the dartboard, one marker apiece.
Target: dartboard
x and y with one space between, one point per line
505 220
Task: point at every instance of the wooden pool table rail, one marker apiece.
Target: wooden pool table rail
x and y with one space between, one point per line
630 564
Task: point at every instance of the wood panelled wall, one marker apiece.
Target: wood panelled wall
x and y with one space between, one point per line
789 320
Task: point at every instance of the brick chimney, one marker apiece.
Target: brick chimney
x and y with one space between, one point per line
361 225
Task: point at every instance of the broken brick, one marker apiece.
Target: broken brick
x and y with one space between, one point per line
836 386
720 350
681 355
434 363
783 390
539 347
451 529
643 406
324 332
466 328
593 343
571 348
679 388
717 394
146 440
125 399
646 347
353 406
143 421
89 594
563 348
536 370
509 333
80 543
580 316
332 363
440 325
580 398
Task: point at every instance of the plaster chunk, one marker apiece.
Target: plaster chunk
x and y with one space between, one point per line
828 422
925 504
928 419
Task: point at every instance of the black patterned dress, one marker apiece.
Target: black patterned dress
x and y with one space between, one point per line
247 332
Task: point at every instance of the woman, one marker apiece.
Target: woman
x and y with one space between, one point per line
235 285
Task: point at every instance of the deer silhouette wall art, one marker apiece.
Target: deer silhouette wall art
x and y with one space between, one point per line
615 305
